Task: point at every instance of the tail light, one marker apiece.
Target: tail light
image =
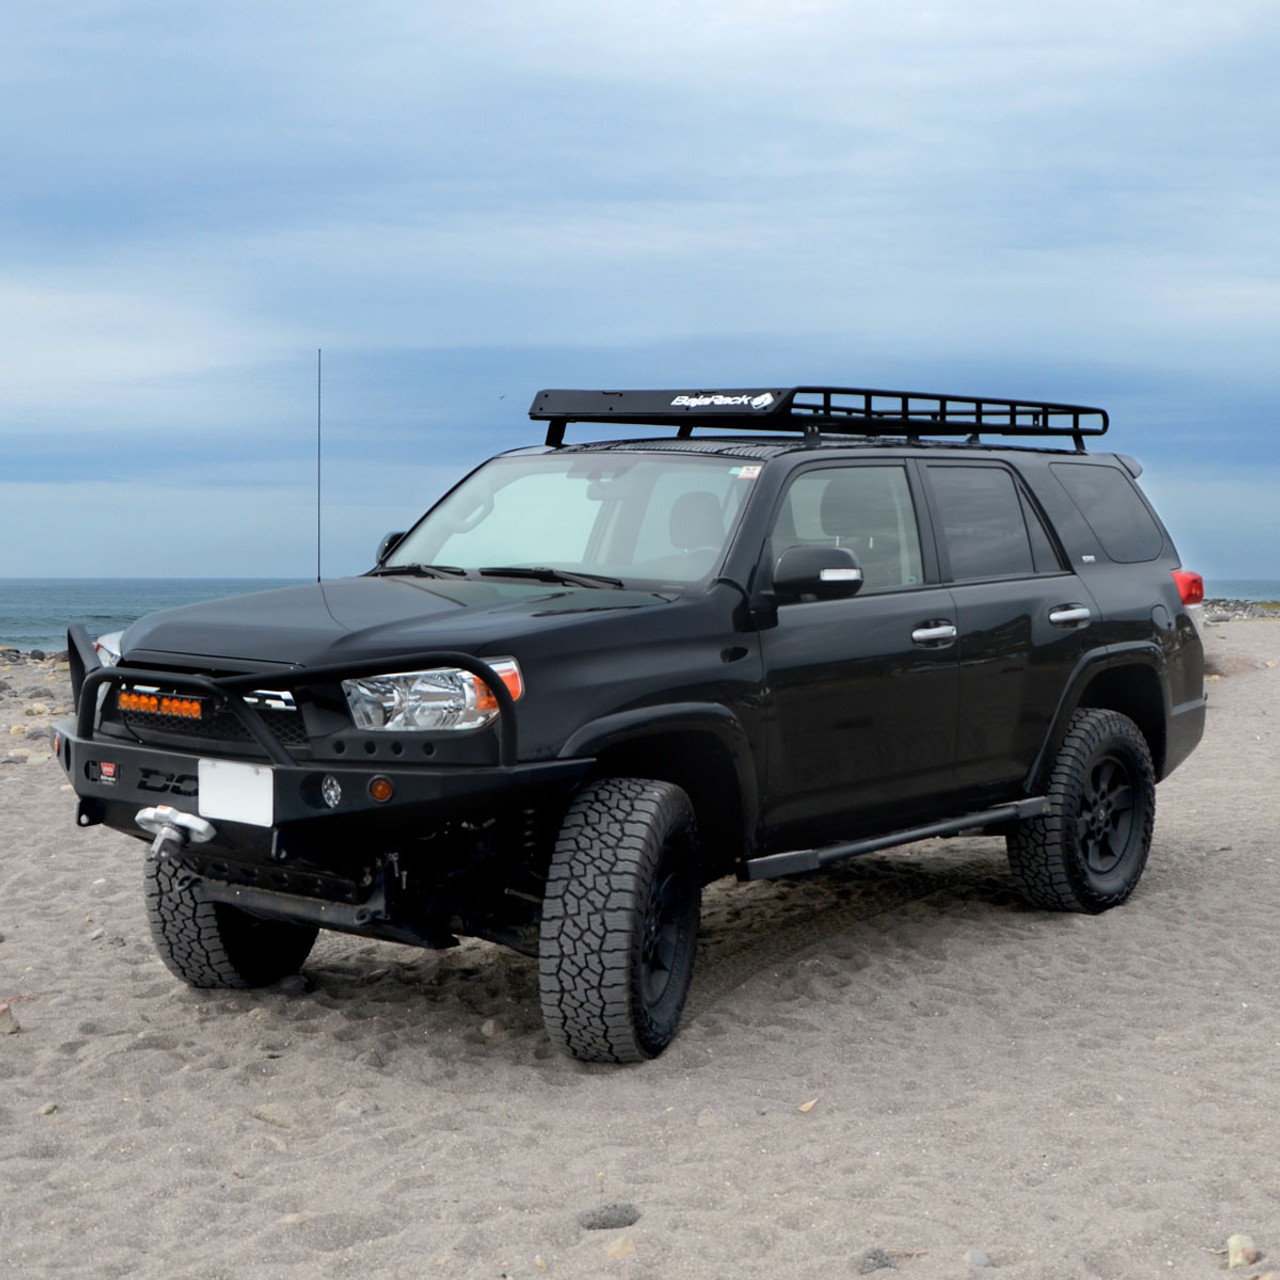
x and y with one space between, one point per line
1190 586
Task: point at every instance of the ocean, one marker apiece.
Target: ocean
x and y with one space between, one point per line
35 612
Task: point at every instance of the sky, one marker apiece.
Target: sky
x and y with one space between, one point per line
462 204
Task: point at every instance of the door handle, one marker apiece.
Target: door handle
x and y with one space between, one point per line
1067 615
935 633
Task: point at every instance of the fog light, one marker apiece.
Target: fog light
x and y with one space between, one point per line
381 789
331 791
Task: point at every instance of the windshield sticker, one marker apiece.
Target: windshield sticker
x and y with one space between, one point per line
720 401
747 473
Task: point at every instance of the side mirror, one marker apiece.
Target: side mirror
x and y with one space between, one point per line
821 573
388 545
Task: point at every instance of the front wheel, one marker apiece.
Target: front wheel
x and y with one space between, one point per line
213 944
620 921
1087 852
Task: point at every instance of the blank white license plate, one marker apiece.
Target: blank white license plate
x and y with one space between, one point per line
237 792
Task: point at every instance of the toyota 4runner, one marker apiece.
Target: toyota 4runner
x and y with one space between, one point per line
800 625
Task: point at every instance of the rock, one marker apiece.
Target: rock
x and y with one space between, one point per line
17 728
37 654
294 985
37 709
609 1216
978 1258
36 734
9 1025
48 1109
875 1259
372 1058
490 1027
1241 1251
272 1113
20 754
96 934
623 1248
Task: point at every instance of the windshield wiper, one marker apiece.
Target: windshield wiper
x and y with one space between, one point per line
418 571
573 577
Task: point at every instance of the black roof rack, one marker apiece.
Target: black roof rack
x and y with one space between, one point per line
811 410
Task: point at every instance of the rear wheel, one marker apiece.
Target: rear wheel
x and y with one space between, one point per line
620 921
1087 853
211 944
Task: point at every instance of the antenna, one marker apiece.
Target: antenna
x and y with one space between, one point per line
318 382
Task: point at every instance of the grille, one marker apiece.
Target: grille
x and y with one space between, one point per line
220 725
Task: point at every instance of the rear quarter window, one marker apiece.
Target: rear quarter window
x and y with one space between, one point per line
1113 510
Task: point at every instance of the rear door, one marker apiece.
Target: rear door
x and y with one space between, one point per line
862 693
1024 619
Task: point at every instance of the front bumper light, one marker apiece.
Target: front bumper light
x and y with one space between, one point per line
423 701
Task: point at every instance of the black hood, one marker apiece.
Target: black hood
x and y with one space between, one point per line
353 619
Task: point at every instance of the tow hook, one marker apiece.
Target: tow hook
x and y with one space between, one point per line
173 830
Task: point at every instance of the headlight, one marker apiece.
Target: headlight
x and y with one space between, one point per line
108 648
442 698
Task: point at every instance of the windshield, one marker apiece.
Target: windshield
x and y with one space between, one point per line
660 518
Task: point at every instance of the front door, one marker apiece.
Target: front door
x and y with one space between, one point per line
862 692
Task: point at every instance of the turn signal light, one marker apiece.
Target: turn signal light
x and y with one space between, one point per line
185 708
509 673
381 789
1190 586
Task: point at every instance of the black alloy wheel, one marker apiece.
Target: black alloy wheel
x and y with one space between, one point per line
1088 850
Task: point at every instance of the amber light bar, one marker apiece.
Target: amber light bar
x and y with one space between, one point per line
186 708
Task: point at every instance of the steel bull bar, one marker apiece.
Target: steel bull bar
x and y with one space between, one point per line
88 675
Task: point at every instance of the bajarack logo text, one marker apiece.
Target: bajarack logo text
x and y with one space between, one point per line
720 401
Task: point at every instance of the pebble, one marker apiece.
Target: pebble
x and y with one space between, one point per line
279 1116
875 1259
624 1247
1241 1251
37 654
294 985
490 1027
48 1109
372 1058
96 934
9 1025
15 729
609 1216
20 754
978 1258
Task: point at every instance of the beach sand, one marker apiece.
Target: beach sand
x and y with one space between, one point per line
1069 1096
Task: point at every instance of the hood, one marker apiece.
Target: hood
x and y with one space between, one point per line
353 619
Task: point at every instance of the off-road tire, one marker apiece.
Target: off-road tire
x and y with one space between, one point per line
620 921
211 944
1087 852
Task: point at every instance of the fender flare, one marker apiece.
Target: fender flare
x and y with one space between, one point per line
1140 653
624 727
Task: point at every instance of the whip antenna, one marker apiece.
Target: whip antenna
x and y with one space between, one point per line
318 375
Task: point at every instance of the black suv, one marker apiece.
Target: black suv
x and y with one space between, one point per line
810 623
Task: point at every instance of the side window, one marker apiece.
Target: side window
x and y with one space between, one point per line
981 521
867 509
1113 509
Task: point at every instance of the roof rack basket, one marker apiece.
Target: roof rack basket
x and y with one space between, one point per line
812 410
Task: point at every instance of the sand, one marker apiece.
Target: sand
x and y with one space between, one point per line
1061 1096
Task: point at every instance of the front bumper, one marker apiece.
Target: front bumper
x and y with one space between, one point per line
115 779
